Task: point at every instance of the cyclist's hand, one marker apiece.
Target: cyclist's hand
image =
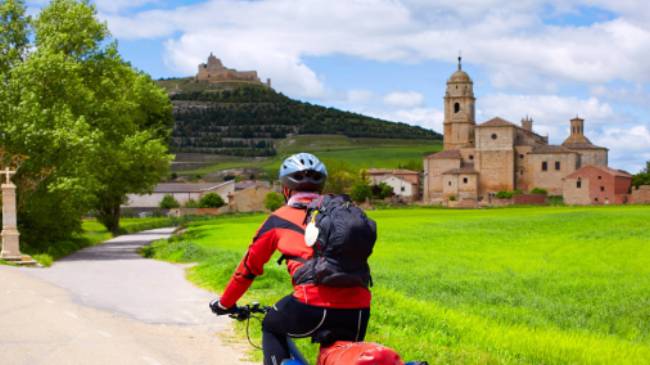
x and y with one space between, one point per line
220 310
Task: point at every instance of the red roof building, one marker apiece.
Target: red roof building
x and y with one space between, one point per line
593 184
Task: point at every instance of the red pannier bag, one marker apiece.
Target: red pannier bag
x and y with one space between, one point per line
358 353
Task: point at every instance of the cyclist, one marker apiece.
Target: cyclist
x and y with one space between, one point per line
325 313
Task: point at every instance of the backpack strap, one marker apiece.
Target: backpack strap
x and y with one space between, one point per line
292 258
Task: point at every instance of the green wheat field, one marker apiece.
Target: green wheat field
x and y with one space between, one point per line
552 285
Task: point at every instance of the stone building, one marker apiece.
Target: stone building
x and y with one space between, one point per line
479 160
214 72
592 184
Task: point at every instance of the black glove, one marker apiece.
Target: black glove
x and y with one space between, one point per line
220 310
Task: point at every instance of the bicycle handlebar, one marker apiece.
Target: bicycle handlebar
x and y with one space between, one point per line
244 312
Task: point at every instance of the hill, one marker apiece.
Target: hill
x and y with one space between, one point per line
247 119
334 150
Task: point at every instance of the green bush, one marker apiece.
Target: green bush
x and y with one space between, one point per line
211 200
191 203
273 201
361 192
539 191
169 202
382 191
504 195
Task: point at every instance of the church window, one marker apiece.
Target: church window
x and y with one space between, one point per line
521 155
494 136
465 180
579 184
544 166
471 157
456 107
600 177
402 189
596 199
602 188
557 165
449 183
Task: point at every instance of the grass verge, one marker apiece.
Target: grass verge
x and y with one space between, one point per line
542 285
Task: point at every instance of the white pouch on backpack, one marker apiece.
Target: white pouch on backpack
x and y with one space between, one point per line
311 231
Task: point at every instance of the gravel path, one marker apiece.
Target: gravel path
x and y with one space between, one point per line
106 304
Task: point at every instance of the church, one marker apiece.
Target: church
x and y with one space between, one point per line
479 160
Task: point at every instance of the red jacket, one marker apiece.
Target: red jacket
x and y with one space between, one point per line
283 230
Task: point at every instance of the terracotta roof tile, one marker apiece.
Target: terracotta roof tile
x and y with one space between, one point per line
582 146
604 169
497 122
462 170
392 171
446 155
550 149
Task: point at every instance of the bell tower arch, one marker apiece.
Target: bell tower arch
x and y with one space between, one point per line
460 113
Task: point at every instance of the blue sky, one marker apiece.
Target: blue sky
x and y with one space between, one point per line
551 60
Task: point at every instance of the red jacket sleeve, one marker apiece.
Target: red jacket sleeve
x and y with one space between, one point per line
252 265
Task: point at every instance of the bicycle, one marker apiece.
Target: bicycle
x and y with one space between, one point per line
245 313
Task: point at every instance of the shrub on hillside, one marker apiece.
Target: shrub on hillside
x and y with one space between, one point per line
169 202
273 201
211 200
539 191
643 177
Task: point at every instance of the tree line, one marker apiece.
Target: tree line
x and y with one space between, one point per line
249 112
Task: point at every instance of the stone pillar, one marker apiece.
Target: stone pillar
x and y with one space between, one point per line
10 241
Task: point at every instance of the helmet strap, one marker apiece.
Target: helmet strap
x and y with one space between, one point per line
287 193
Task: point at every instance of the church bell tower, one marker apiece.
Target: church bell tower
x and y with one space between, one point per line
459 110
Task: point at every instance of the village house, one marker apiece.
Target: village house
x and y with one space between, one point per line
594 185
181 192
480 160
405 183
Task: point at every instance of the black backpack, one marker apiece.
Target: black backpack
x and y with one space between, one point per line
346 238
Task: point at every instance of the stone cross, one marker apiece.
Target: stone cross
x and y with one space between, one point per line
8 174
10 242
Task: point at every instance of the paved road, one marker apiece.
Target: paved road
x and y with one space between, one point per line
106 304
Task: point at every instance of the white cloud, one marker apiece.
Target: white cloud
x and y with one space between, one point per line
551 113
404 99
509 38
430 118
629 147
358 97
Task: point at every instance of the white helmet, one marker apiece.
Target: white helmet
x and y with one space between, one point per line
303 172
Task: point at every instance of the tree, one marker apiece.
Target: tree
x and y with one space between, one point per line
643 177
92 128
14 37
169 202
211 200
273 201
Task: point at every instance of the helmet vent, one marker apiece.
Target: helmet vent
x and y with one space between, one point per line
302 161
311 163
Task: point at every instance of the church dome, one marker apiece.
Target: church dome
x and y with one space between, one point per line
460 76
